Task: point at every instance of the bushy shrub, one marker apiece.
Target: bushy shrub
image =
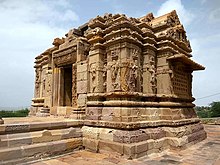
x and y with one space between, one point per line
18 113
213 110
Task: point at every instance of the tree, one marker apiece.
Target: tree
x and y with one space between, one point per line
215 109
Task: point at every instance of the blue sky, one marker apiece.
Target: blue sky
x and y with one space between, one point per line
28 27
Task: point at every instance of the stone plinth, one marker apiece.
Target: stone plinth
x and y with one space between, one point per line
43 112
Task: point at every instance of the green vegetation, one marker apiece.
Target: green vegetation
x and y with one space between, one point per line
18 113
213 110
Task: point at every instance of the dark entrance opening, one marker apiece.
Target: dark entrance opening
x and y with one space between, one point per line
67 86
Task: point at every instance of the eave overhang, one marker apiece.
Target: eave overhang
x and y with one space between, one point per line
186 60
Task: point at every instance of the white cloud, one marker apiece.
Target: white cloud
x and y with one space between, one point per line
185 16
27 29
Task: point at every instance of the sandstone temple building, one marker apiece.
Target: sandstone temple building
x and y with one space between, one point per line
129 80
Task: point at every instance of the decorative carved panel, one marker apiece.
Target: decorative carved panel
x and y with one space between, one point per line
65 56
180 81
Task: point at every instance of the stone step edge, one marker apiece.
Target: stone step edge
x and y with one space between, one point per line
38 151
22 139
37 126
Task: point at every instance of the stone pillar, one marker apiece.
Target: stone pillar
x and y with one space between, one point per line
164 75
80 81
96 68
55 90
149 72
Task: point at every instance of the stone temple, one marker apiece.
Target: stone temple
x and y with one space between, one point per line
128 80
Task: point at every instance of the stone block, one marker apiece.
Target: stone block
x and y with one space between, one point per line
73 143
111 146
81 76
118 136
196 135
56 147
2 129
111 113
10 153
40 126
72 133
129 150
62 111
150 144
91 144
3 143
126 119
152 151
160 143
155 133
141 147
90 132
81 101
17 128
175 132
46 136
138 155
34 149
106 134
165 117
177 142
144 111
19 142
125 111
56 125
82 67
81 86
94 110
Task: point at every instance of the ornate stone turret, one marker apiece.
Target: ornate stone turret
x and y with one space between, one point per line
129 79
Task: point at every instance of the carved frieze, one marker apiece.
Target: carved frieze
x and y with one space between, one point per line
65 57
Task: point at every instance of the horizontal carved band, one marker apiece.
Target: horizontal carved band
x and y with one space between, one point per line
120 103
142 124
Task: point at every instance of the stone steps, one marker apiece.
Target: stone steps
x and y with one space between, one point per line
16 155
21 139
23 142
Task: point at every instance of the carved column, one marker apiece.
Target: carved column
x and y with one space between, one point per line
96 70
55 90
164 75
74 81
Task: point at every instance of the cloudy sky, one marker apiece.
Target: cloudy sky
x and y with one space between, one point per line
28 27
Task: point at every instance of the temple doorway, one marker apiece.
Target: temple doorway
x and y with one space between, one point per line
67 97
